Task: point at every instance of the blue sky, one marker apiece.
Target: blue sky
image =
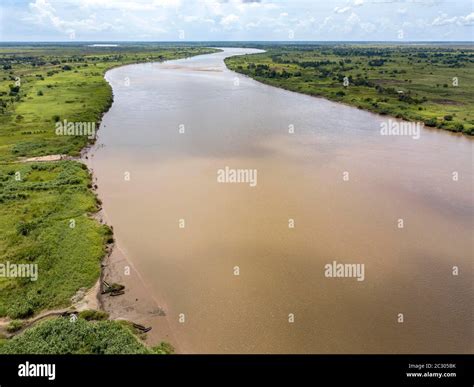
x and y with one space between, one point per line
170 20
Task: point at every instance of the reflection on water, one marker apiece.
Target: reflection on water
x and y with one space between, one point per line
244 124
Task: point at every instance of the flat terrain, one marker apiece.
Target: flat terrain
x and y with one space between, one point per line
46 208
432 84
44 220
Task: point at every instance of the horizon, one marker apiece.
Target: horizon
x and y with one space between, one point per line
235 41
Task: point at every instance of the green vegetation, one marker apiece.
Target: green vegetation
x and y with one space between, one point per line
61 336
43 84
45 207
93 315
14 326
44 220
431 84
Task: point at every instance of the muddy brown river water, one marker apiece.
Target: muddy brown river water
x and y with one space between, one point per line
341 184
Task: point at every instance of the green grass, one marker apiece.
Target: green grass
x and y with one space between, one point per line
36 215
60 336
410 82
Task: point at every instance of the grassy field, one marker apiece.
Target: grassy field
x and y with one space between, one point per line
46 207
44 219
60 336
434 85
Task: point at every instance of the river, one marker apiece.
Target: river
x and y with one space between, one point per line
237 278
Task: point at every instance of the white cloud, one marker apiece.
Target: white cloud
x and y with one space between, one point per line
229 20
467 20
368 27
44 14
236 19
126 5
353 19
190 19
443 20
243 6
342 9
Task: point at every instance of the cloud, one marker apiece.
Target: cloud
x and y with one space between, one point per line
190 19
229 20
342 9
444 20
368 27
467 20
124 5
44 14
353 19
235 19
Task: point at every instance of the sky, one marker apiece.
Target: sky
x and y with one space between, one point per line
222 20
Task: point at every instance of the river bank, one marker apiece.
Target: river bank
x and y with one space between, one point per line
137 304
384 79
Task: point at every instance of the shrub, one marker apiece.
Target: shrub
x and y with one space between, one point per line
458 127
431 122
14 326
163 348
93 315
60 336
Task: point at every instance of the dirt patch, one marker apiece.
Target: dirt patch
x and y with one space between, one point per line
444 101
44 158
137 303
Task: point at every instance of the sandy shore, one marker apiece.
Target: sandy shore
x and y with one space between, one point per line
138 304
